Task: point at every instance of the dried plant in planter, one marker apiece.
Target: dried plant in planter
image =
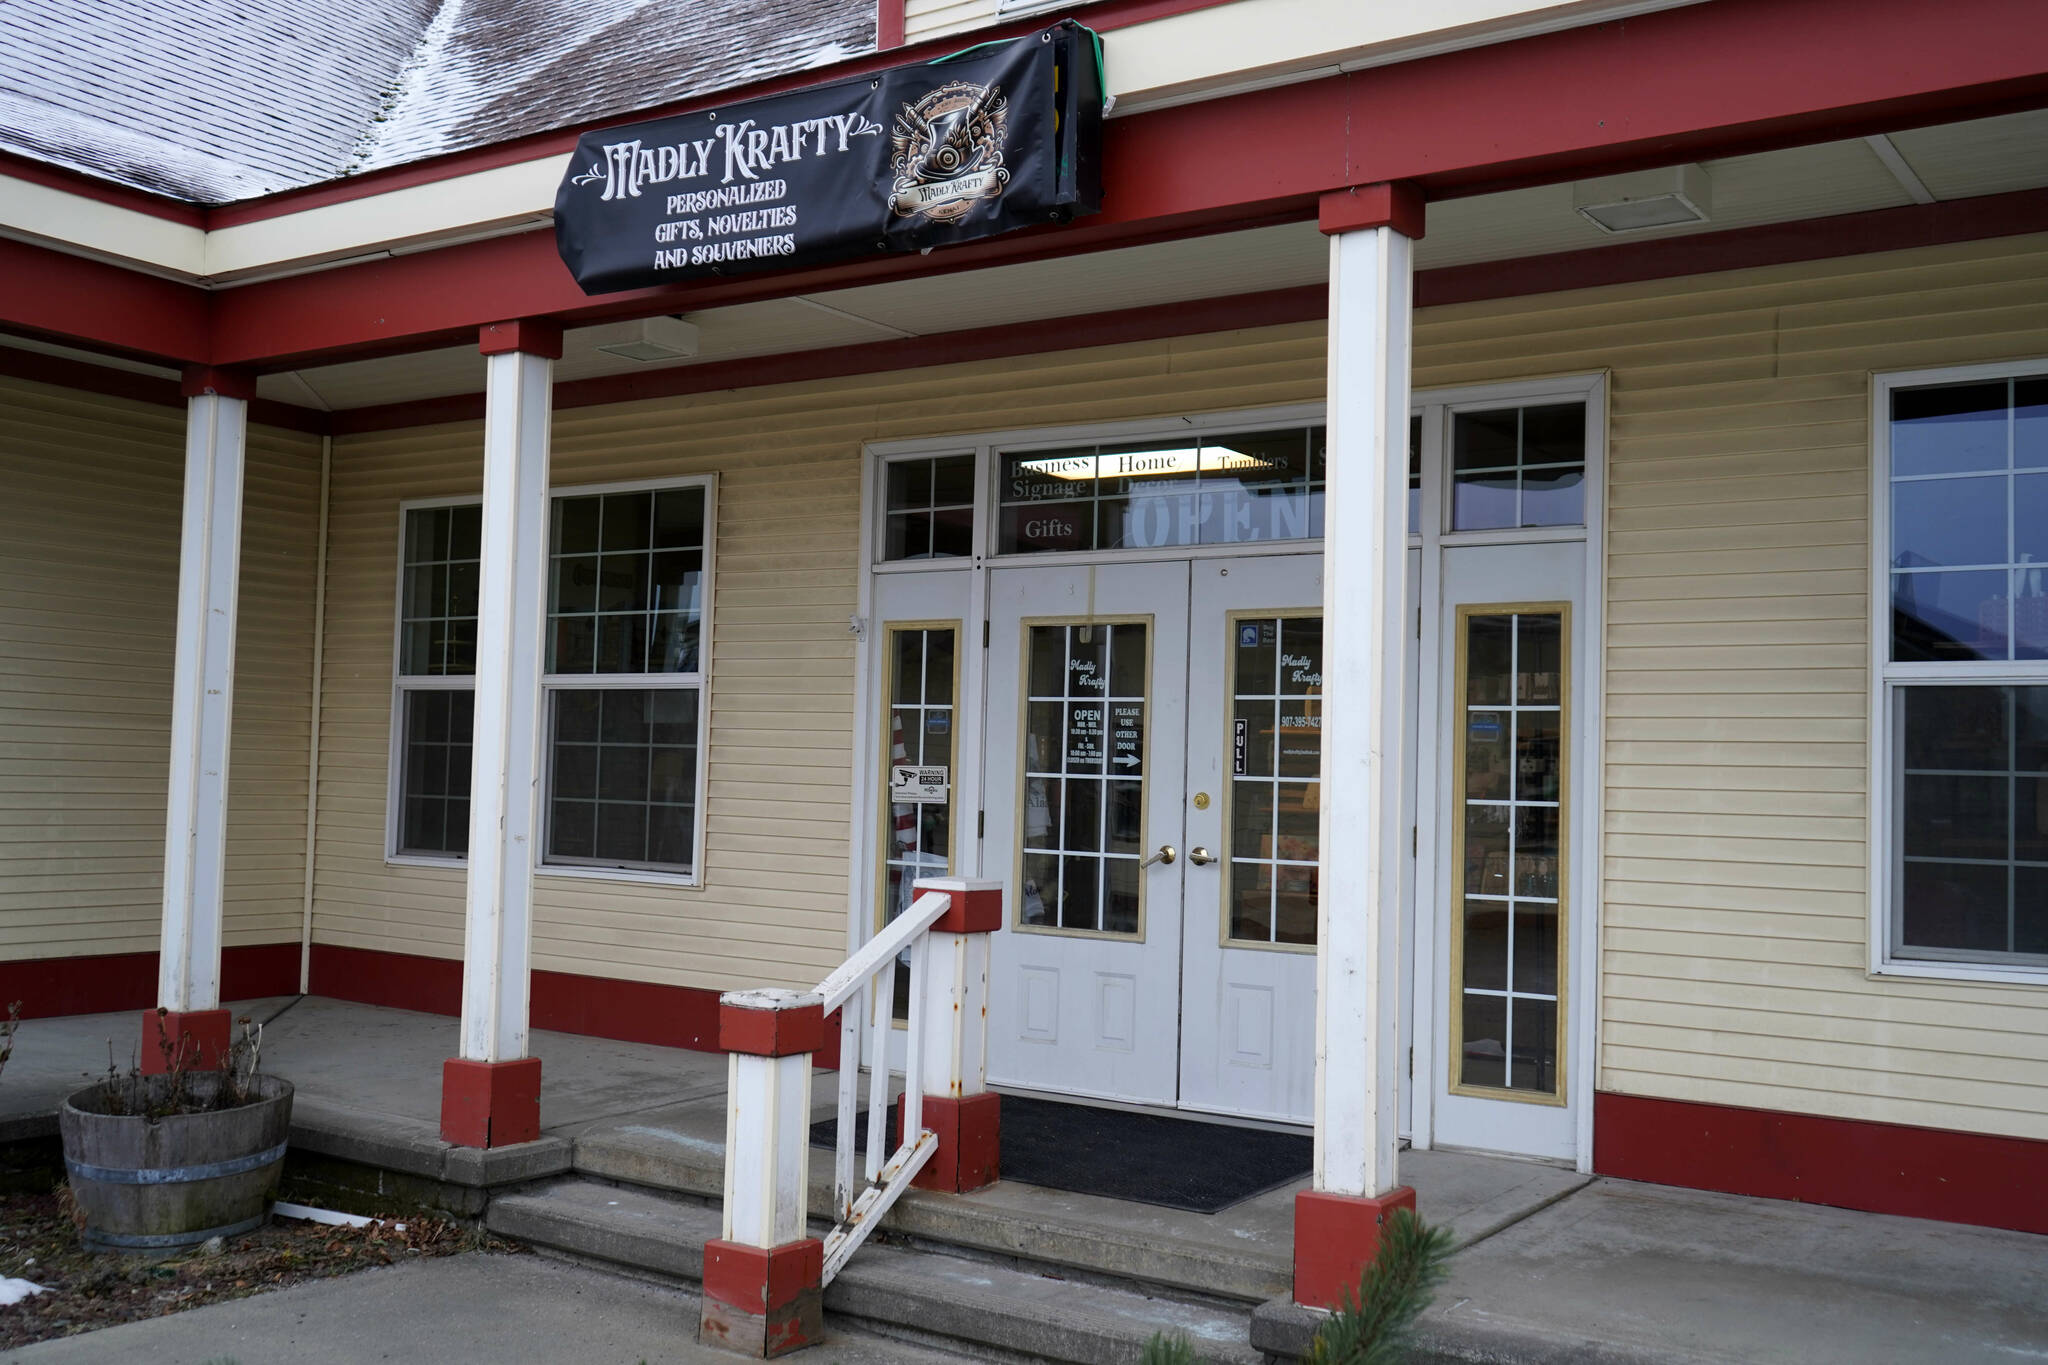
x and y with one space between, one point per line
184 1087
7 1033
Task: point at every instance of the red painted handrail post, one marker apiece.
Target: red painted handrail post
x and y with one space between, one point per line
764 1276
959 1108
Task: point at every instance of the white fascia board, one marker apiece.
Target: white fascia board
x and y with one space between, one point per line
462 206
85 226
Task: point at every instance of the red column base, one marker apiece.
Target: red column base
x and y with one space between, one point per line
969 1155
490 1104
192 1040
763 1303
1336 1236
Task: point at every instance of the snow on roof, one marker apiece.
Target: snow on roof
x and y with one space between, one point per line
215 101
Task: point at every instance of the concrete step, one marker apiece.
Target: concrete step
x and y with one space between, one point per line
1043 1230
979 1307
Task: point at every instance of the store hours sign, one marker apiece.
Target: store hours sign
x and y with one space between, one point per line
996 138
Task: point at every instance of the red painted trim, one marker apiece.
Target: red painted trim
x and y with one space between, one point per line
189 1039
1336 1236
972 912
102 191
771 1032
889 24
199 381
146 388
103 983
1998 1182
68 298
1400 206
527 336
1810 239
762 1279
981 343
562 1002
970 1150
490 1104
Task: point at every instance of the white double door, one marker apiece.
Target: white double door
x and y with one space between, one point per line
1152 781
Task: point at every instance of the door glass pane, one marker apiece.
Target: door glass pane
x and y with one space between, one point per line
1082 817
1276 720
917 839
1507 981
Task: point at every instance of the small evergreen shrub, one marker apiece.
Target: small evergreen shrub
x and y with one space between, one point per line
1374 1325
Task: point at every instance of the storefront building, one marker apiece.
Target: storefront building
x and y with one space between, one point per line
1677 810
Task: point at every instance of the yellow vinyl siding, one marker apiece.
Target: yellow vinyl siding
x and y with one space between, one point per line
924 19
772 910
1734 957
89 552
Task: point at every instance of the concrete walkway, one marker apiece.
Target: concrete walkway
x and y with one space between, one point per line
1554 1266
462 1310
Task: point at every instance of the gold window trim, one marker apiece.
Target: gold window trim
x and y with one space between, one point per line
886 827
1224 939
1024 628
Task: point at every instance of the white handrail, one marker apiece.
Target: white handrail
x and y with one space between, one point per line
776 1031
853 974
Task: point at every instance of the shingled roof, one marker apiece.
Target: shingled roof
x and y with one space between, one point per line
214 101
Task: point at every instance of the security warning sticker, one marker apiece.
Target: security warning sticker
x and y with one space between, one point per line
910 783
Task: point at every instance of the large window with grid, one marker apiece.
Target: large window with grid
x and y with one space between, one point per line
624 679
1962 654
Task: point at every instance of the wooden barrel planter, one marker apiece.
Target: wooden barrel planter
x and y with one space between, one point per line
157 1184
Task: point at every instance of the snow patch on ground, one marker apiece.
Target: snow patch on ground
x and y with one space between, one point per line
14 1291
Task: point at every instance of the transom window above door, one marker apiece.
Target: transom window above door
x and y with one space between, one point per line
1506 461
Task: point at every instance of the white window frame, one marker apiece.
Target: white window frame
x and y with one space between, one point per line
1883 832
551 683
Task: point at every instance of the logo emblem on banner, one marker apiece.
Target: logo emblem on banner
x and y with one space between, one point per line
947 152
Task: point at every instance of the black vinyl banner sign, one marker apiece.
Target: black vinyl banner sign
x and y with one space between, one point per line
997 138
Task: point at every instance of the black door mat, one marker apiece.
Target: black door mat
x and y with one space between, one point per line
1175 1163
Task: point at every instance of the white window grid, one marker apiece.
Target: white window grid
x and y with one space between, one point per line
1067 777
1521 469
552 683
927 512
1889 955
2011 774
1512 901
1277 786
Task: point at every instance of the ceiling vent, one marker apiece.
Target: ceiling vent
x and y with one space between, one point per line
645 339
1671 197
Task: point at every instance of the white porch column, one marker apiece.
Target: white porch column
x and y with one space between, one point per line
1372 230
189 1018
490 1092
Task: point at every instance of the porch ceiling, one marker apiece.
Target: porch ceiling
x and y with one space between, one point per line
1943 162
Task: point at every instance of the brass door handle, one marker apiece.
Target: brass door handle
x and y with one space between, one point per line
1200 857
1166 854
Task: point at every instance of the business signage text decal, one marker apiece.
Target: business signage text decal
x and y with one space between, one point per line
997 138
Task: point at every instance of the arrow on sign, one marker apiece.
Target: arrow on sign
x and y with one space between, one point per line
1127 761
